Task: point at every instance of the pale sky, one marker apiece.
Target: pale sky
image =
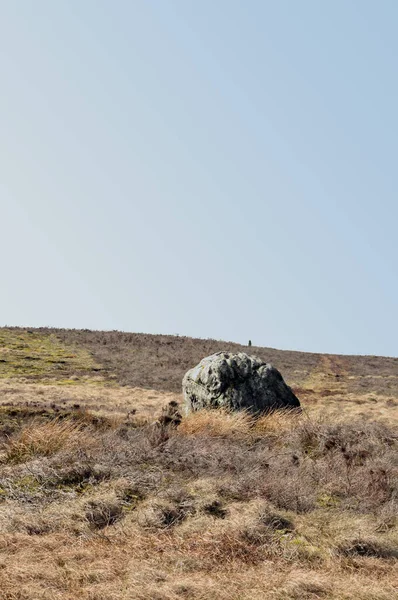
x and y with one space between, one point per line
213 168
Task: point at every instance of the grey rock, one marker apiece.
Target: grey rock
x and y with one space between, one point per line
236 382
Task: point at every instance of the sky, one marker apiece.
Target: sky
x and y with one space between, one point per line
217 169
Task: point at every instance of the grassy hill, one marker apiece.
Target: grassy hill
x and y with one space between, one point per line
101 499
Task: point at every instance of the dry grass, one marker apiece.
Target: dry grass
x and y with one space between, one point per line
221 506
158 362
228 424
98 400
213 423
44 439
106 495
125 372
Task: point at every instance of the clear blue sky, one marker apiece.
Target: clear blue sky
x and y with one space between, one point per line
212 168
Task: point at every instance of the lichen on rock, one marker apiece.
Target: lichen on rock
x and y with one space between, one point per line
236 382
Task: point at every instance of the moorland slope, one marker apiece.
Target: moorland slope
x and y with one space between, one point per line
102 499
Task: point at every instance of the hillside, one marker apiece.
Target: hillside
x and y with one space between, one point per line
156 364
101 499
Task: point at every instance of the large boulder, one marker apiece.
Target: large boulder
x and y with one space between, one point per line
236 382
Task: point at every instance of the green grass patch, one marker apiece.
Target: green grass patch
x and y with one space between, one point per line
36 356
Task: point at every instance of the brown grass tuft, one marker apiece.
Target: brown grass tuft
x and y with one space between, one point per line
44 439
277 422
228 424
216 423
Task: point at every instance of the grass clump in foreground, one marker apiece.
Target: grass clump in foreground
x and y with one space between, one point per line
218 506
43 439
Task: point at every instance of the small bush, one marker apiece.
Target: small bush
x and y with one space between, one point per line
276 522
215 509
130 494
368 548
37 528
103 513
175 508
163 516
79 476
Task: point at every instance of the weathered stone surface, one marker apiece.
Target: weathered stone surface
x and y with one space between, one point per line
236 382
